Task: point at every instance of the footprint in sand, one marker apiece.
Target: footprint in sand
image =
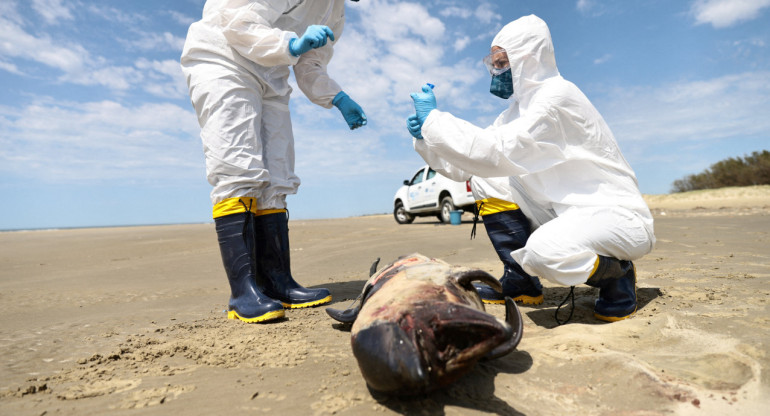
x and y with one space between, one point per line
659 357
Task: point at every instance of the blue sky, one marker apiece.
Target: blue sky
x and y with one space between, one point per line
96 127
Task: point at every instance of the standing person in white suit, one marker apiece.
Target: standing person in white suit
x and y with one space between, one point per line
564 168
236 60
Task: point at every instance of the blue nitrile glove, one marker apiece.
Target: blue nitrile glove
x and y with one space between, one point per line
314 37
353 113
424 102
414 126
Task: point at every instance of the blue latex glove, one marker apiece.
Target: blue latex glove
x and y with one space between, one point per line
424 102
353 113
414 126
314 37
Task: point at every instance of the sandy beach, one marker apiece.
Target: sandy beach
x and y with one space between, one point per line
129 321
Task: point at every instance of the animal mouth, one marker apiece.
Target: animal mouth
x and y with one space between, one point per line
452 337
460 344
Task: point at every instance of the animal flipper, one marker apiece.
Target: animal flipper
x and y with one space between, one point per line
348 316
513 318
373 268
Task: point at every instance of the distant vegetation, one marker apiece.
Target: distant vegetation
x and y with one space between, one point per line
746 171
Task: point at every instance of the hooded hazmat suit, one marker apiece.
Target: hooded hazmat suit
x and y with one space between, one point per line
563 166
236 62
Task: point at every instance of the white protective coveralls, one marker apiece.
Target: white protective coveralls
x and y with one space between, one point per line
486 188
236 60
564 167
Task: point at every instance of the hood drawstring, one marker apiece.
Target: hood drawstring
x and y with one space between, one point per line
476 212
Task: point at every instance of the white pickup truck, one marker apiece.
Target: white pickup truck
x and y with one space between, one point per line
430 193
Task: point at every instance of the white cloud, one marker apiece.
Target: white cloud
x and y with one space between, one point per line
379 70
78 66
119 78
151 41
10 67
396 21
98 141
602 59
730 106
382 69
584 5
454 11
52 11
725 13
16 42
9 11
181 18
461 43
589 7
112 14
486 13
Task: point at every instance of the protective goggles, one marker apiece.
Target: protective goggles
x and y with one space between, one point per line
497 62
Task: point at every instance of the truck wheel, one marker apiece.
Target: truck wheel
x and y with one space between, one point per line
447 206
400 214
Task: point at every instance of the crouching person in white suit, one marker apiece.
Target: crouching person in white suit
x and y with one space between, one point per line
563 167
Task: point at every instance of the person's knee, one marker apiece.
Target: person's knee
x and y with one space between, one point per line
556 263
534 262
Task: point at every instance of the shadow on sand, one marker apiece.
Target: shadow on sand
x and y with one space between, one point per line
475 390
543 315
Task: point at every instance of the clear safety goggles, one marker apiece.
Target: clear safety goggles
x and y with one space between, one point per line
497 62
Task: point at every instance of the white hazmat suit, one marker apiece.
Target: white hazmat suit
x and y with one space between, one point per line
236 62
563 166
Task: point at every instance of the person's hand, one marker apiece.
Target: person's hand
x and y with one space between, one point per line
424 102
351 111
314 37
414 126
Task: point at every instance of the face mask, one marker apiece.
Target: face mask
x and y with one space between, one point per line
502 85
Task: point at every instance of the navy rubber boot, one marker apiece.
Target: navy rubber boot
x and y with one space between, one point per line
616 280
508 231
274 266
236 238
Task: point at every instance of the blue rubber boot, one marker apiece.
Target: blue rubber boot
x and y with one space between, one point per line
616 280
274 266
235 233
508 231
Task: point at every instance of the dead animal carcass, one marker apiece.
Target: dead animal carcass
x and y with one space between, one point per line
420 325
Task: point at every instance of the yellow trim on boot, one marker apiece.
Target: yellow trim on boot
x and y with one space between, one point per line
529 300
237 205
613 318
524 299
489 206
617 318
307 304
260 212
596 266
262 318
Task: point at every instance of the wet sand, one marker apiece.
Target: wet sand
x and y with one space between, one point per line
129 321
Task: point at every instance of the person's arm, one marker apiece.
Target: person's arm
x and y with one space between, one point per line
525 145
249 30
438 164
320 88
311 75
